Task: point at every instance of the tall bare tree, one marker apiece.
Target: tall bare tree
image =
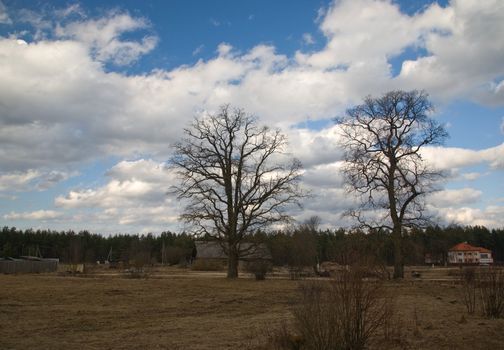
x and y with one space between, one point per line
382 140
233 178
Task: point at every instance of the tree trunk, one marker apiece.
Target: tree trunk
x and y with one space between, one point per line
398 256
232 271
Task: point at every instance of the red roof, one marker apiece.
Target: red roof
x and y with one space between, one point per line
465 247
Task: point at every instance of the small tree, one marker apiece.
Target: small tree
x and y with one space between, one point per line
382 140
232 178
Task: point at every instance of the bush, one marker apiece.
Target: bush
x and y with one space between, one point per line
468 281
491 284
175 255
483 288
259 268
341 314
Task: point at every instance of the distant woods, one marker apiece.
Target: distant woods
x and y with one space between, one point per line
296 247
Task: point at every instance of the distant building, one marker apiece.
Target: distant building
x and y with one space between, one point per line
466 254
28 264
213 251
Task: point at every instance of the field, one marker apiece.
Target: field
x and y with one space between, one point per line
179 309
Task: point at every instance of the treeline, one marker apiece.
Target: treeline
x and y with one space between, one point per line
84 246
305 246
302 246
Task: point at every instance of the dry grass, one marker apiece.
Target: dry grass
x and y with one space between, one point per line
177 310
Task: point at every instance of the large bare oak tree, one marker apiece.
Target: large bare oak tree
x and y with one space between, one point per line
234 179
382 139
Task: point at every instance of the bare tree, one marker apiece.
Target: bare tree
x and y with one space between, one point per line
233 179
382 140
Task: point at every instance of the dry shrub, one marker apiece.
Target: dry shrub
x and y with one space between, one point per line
174 255
468 282
483 288
207 265
344 313
259 268
491 283
316 319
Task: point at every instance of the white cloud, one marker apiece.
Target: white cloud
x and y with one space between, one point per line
450 198
18 181
74 9
366 31
102 36
78 95
450 68
446 158
135 195
32 179
198 50
490 216
4 16
60 107
34 215
308 39
471 176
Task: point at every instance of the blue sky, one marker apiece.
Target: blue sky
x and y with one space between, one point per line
94 93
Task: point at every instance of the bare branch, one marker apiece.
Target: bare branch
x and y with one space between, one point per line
382 139
229 179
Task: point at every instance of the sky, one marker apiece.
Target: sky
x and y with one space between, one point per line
93 94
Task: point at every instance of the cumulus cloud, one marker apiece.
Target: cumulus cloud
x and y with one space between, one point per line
32 179
41 215
60 88
102 37
136 195
450 198
489 216
449 67
367 31
446 158
17 181
60 106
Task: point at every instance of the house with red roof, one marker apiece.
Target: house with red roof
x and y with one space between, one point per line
466 254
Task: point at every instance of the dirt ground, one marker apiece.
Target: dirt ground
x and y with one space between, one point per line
178 309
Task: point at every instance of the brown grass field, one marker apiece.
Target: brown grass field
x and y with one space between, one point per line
180 309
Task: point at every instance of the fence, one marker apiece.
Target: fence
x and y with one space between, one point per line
28 266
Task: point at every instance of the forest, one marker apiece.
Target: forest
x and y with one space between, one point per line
303 245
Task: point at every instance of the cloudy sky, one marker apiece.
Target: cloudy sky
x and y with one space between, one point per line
93 94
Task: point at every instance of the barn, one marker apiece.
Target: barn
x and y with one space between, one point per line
213 252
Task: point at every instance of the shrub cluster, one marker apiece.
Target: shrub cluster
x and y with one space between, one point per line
343 313
483 287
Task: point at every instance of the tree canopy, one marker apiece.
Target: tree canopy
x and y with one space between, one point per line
382 141
233 178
